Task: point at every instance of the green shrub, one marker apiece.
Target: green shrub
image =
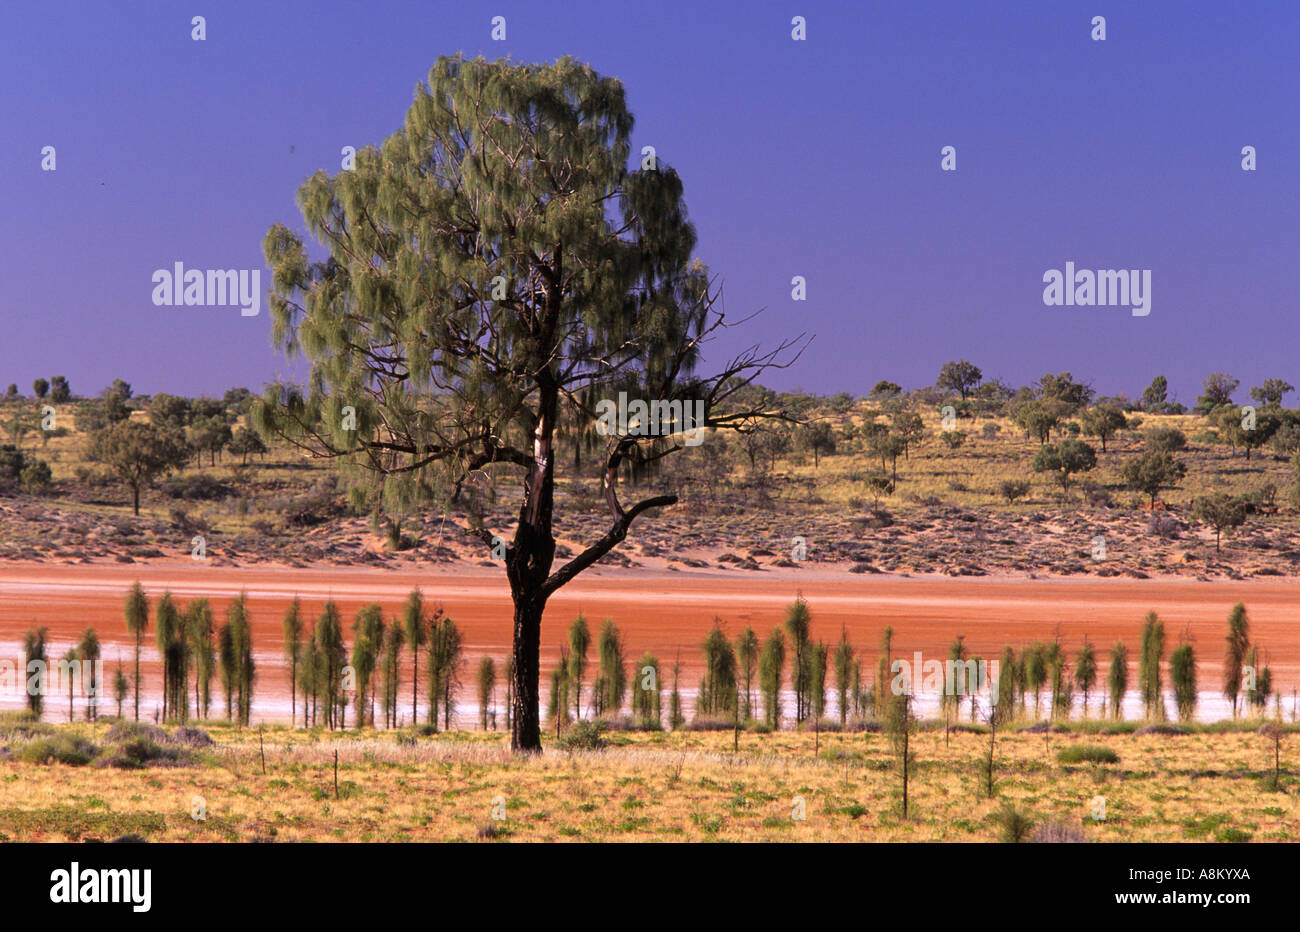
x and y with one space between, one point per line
1014 826
584 736
1087 753
60 749
138 753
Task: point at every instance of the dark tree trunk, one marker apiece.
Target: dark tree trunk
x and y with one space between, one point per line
525 720
135 494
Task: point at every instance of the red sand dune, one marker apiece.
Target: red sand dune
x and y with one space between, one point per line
666 612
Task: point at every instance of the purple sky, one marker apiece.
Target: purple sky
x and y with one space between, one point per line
817 158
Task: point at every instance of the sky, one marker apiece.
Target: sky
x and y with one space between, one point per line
818 158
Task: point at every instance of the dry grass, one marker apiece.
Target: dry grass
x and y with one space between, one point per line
655 787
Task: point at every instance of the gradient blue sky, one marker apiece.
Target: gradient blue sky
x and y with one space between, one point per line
816 158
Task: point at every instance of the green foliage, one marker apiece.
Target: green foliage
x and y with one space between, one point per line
1103 421
1012 489
647 693
1271 392
717 693
1166 439
487 681
747 653
959 376
798 622
1149 666
59 390
1238 643
1151 471
1087 754
59 749
1217 391
138 453
1064 460
34 651
1085 672
1014 825
1117 679
1155 396
1221 511
579 642
446 649
1182 672
771 670
584 736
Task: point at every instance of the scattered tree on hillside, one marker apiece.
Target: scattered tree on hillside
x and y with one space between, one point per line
959 376
1152 471
1221 511
1064 460
138 454
1216 392
1270 394
1103 422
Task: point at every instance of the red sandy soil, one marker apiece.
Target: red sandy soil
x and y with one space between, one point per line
666 612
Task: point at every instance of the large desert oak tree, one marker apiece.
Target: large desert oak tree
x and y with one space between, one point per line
492 272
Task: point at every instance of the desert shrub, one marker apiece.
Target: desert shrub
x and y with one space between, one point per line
36 476
60 749
129 731
137 753
192 737
201 487
1164 527
1012 489
92 477
1014 825
22 724
1168 439
1087 753
584 736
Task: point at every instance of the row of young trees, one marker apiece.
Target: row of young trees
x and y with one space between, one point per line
737 673
322 672
192 648
740 672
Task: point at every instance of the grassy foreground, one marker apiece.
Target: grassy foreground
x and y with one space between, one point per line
1209 785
